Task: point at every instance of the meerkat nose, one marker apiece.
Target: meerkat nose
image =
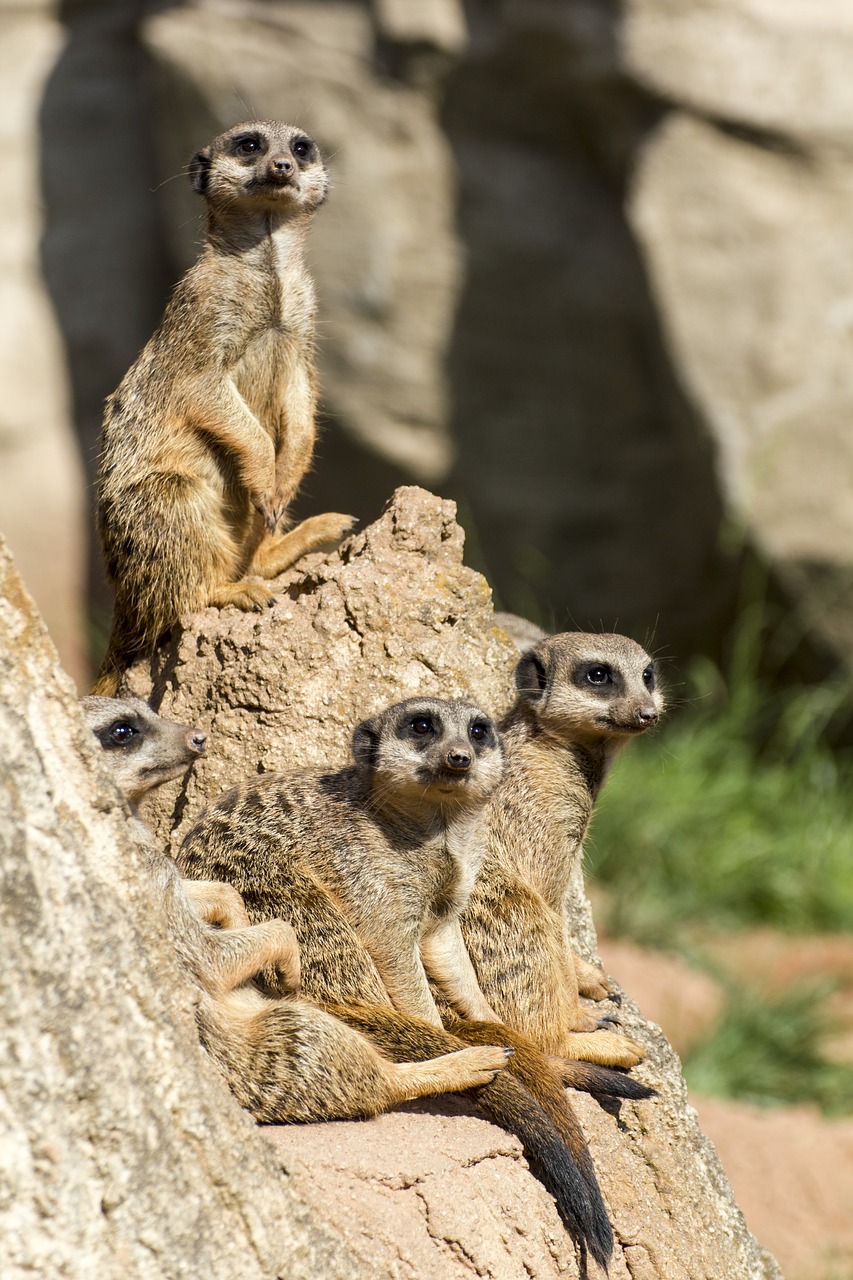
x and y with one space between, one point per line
647 715
197 741
457 759
281 164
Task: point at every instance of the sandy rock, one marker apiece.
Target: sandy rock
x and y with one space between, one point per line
123 1154
41 478
783 68
396 612
683 1001
393 613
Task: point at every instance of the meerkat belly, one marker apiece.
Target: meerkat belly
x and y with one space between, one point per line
264 375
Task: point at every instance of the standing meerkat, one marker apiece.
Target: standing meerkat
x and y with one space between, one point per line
285 1059
373 865
208 436
581 697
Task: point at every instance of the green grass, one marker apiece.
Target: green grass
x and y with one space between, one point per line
738 813
768 1050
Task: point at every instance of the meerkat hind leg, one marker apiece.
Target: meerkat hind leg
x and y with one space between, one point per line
461 1069
606 1048
279 551
243 595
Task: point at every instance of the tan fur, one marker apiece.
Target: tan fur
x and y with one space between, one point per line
394 842
561 737
206 440
373 865
284 1059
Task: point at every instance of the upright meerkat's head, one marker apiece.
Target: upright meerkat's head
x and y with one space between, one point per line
261 165
141 749
589 687
429 751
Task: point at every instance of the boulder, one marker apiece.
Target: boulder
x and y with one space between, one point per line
123 1153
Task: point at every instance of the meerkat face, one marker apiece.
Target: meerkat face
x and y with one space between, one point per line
590 686
262 165
141 749
430 750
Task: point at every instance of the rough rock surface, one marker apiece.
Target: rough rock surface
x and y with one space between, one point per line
393 613
41 475
123 1154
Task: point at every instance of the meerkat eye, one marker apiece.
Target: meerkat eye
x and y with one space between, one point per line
598 674
247 146
649 677
478 731
422 724
303 148
121 733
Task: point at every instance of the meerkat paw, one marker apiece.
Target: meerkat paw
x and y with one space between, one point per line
272 507
592 981
275 554
217 903
243 595
485 1060
462 1069
606 1048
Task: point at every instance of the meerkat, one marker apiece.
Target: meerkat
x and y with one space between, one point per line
373 864
523 633
285 1060
580 699
208 436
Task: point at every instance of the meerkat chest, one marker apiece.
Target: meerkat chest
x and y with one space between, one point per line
454 864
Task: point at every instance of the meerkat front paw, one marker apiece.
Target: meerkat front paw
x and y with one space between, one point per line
592 981
272 506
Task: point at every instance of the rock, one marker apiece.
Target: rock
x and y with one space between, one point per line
123 1153
41 477
392 613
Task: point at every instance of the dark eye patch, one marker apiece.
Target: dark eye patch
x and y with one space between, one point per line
422 725
248 144
649 676
118 734
597 674
480 731
303 148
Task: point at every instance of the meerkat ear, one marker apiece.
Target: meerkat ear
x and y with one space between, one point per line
365 741
199 171
531 677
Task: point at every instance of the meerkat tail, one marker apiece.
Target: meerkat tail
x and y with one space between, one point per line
601 1082
557 1152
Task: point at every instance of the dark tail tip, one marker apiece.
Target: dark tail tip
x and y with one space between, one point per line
605 1082
576 1192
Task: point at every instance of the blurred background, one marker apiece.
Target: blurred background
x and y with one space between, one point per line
586 267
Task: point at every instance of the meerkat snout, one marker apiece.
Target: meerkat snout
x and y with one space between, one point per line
197 741
459 760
